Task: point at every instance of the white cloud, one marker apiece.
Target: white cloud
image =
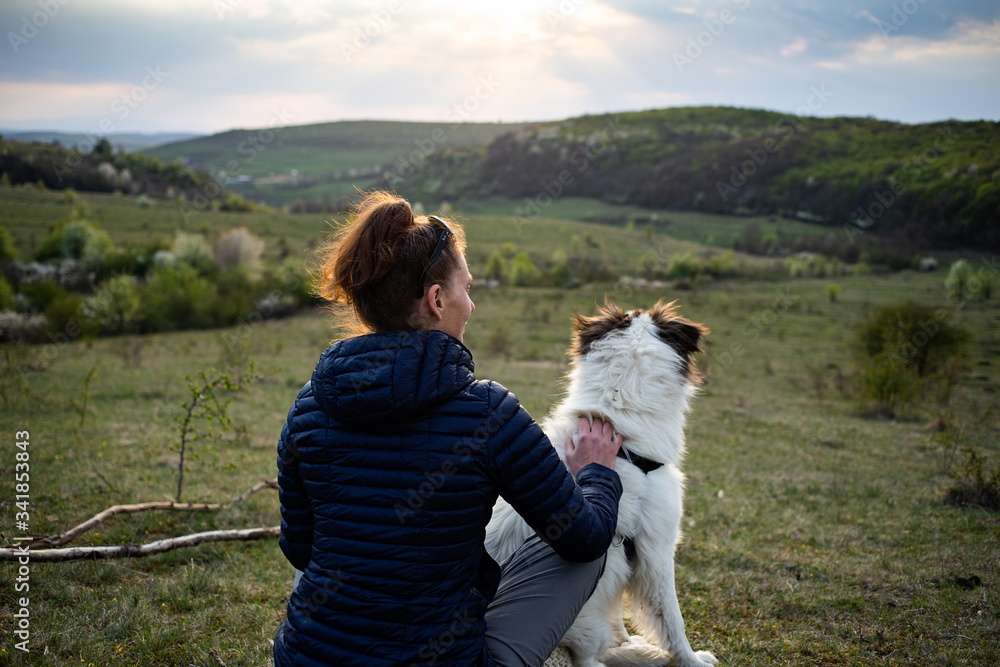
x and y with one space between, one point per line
798 46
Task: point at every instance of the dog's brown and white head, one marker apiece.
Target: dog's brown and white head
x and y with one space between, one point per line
662 321
636 367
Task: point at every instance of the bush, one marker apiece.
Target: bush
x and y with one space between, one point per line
114 305
194 251
832 292
177 298
974 481
21 327
41 293
886 381
238 247
6 294
685 265
76 239
290 278
922 338
722 265
7 250
66 318
523 271
902 347
237 295
234 202
496 267
964 281
957 282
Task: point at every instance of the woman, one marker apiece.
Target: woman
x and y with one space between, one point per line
392 458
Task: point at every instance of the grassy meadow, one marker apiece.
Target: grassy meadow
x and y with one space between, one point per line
815 533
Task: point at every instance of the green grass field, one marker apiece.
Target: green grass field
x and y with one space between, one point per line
814 534
324 147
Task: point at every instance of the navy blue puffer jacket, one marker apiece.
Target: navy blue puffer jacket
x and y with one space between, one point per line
389 465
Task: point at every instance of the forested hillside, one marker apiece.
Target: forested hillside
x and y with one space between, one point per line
932 184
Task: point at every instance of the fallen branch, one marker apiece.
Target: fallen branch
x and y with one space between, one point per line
138 550
73 533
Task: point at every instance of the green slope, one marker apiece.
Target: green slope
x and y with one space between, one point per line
324 153
937 183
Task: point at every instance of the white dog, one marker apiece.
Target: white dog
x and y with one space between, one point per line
636 370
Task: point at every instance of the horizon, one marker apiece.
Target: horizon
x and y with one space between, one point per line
194 134
112 66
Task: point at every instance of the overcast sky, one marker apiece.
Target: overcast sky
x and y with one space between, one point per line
210 65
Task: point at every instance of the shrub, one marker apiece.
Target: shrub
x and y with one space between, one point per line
560 275
685 265
722 265
21 327
523 271
194 251
974 481
6 294
496 267
922 338
143 201
8 252
234 202
901 347
238 247
290 278
957 282
66 318
177 298
832 292
114 305
237 295
76 239
964 281
886 381
41 293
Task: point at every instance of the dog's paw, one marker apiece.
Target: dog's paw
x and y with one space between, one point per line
705 658
636 652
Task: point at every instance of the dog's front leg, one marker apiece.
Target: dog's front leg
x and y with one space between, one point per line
655 605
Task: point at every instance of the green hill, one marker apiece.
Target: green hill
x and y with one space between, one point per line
318 163
929 185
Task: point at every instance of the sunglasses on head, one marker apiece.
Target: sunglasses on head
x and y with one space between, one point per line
442 242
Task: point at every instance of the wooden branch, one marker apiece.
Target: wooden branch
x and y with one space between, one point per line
138 550
73 533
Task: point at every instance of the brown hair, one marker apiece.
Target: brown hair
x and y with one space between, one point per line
374 262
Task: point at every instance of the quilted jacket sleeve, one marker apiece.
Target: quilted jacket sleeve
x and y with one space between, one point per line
296 513
577 520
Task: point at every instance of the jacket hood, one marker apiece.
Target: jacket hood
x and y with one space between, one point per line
378 378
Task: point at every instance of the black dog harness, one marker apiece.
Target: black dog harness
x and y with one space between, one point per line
646 466
641 462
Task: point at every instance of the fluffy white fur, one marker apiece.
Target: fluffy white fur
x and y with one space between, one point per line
636 380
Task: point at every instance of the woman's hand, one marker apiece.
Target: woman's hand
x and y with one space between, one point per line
592 443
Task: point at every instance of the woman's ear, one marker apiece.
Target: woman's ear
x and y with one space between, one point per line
434 302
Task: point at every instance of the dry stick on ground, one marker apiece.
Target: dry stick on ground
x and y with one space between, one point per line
73 533
138 550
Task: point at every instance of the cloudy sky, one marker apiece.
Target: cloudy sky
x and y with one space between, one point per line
209 65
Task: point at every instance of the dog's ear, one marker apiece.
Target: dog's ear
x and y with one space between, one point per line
589 330
683 335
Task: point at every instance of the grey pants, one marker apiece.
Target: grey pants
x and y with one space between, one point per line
539 597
